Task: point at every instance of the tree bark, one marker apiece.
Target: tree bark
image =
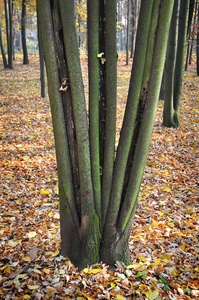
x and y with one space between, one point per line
197 46
41 59
2 49
175 65
23 33
169 117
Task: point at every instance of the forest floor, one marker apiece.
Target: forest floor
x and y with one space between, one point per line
164 242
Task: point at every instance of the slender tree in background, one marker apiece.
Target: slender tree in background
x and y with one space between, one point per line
197 42
98 196
41 59
174 65
9 31
134 17
2 49
23 33
127 33
190 35
192 25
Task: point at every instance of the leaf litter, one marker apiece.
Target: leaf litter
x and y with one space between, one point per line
164 241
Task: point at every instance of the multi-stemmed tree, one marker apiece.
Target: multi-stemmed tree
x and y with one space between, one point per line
99 186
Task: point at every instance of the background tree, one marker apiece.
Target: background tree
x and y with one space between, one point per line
9 31
134 17
41 59
127 32
197 42
97 202
191 31
174 65
2 49
23 33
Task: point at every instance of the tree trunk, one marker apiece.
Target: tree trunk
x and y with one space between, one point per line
2 49
169 117
41 59
127 33
102 81
174 65
23 33
11 51
197 46
134 14
9 35
96 213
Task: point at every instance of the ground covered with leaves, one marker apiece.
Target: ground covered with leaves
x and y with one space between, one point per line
165 235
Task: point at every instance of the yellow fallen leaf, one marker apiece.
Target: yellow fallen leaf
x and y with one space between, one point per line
87 297
155 224
157 262
134 266
57 216
33 287
12 243
180 291
50 214
95 271
197 270
120 297
48 253
86 270
183 246
27 258
45 192
37 271
26 297
160 213
152 295
166 261
175 272
167 190
45 270
167 256
56 190
32 234
168 140
55 253
8 270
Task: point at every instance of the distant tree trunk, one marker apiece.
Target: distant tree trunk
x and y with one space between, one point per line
119 17
96 214
8 17
23 33
79 27
2 49
11 54
127 33
197 45
193 35
41 59
134 13
174 65
7 25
